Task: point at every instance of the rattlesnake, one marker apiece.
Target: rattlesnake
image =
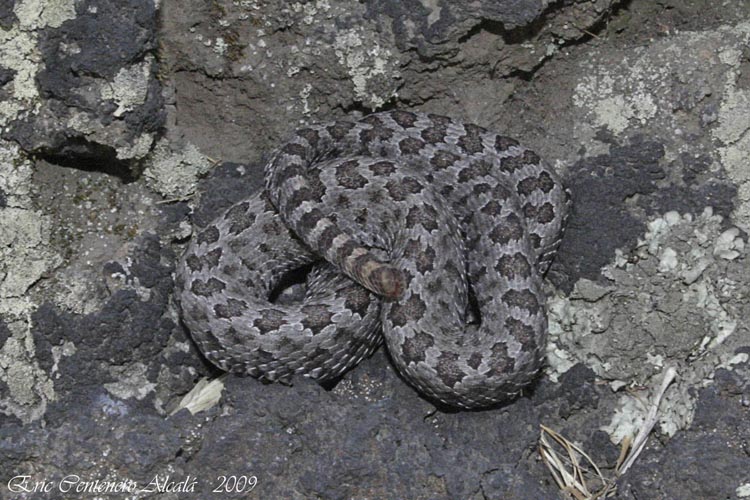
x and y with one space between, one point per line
450 228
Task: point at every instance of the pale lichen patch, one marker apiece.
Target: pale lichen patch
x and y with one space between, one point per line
25 256
19 52
615 103
130 86
367 61
35 14
733 129
30 388
678 301
173 172
24 232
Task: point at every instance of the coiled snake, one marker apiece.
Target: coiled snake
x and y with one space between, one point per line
417 229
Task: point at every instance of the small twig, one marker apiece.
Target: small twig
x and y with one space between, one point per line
173 200
625 446
587 32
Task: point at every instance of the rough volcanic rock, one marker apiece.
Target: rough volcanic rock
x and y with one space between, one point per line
90 70
641 105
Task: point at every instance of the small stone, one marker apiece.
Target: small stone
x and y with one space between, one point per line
729 244
668 261
691 275
672 217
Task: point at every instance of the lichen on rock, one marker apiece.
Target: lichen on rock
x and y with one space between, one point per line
676 299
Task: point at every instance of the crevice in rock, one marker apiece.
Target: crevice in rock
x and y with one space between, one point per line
89 156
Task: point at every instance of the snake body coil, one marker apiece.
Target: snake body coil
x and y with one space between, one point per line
417 229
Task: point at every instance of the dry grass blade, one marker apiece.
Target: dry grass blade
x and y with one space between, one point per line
563 459
625 446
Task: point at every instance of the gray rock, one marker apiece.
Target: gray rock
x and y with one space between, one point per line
99 98
7 16
708 460
641 105
428 25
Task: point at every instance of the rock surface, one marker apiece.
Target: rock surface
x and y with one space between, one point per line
123 124
85 86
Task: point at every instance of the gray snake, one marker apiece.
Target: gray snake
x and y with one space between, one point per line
427 233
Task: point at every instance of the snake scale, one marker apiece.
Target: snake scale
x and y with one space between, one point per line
414 229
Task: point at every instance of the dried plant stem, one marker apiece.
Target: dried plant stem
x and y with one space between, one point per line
648 424
571 475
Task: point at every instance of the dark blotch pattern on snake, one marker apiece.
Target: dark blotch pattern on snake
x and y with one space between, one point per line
417 229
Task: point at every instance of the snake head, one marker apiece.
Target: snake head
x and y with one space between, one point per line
387 281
